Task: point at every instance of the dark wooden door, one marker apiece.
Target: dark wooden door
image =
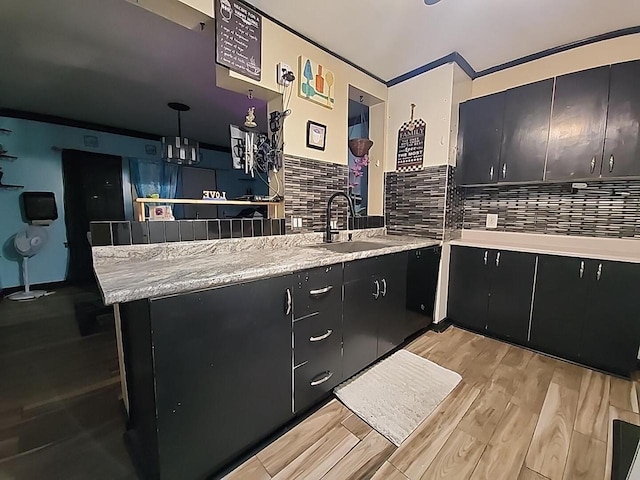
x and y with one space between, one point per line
622 143
92 192
422 282
393 327
469 286
526 132
578 121
222 362
360 310
480 139
511 295
560 304
610 334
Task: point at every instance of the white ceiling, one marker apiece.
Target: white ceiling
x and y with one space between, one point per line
115 64
390 38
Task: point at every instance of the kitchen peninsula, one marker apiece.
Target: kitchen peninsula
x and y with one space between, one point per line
225 342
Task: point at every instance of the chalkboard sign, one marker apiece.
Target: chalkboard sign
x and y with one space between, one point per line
239 38
411 135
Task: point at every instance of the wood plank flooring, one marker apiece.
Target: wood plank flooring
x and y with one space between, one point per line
516 415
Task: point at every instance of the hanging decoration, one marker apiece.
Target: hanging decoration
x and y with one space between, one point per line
411 139
359 148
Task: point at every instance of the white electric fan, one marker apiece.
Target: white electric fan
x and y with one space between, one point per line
28 243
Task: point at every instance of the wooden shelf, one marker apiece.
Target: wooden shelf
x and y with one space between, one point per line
186 201
10 187
8 157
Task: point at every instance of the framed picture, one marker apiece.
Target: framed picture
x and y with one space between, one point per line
316 83
316 135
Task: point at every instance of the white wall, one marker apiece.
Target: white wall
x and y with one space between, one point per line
432 93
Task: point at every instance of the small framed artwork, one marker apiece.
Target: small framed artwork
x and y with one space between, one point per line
316 135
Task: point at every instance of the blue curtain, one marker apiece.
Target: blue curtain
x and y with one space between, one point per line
154 177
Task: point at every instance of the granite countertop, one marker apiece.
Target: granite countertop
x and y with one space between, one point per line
135 272
613 249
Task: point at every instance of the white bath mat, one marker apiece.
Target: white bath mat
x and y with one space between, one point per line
397 394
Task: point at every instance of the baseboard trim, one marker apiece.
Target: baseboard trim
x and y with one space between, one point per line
40 286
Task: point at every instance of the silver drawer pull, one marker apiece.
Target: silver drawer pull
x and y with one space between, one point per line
384 287
581 269
498 259
599 272
321 337
377 294
504 170
486 256
325 376
289 302
321 291
611 163
593 164
491 173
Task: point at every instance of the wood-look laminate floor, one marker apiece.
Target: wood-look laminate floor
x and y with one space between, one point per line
60 413
516 415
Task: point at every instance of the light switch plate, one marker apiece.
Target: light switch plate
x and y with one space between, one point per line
492 220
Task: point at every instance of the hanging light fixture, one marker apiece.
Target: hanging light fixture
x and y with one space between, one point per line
180 150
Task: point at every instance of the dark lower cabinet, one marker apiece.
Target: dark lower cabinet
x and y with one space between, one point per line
510 294
560 305
374 309
222 370
422 282
469 285
611 333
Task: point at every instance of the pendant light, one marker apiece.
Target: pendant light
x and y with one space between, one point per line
180 150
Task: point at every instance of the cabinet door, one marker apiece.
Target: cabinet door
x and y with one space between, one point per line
469 283
422 282
480 139
393 327
622 143
559 305
360 325
576 140
526 132
223 373
610 335
511 295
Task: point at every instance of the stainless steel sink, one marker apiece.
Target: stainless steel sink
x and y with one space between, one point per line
351 247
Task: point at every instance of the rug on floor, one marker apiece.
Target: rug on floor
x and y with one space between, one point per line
397 394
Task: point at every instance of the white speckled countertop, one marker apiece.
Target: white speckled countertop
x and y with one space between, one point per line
127 273
613 249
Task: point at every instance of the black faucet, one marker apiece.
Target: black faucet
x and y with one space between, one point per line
329 231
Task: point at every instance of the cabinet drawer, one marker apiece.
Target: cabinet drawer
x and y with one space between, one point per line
316 290
318 337
315 379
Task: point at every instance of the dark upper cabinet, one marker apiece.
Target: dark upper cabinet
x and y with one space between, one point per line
480 139
222 369
511 295
525 135
622 143
578 122
560 304
610 333
469 286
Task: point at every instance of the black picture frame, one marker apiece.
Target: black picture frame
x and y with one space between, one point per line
311 144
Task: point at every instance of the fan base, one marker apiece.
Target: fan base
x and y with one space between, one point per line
25 296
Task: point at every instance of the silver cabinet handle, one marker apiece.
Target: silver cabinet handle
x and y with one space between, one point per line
320 291
599 273
611 163
498 259
491 173
321 337
486 256
504 170
289 302
593 164
377 294
581 269
384 286
323 377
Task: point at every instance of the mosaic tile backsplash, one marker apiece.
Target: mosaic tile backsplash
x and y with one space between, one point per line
415 202
308 184
604 209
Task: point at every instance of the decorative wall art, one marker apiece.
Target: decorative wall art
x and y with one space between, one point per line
316 83
411 137
316 135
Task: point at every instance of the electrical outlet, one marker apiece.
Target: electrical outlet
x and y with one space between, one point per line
282 68
492 220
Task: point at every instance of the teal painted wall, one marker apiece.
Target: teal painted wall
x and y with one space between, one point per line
39 168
